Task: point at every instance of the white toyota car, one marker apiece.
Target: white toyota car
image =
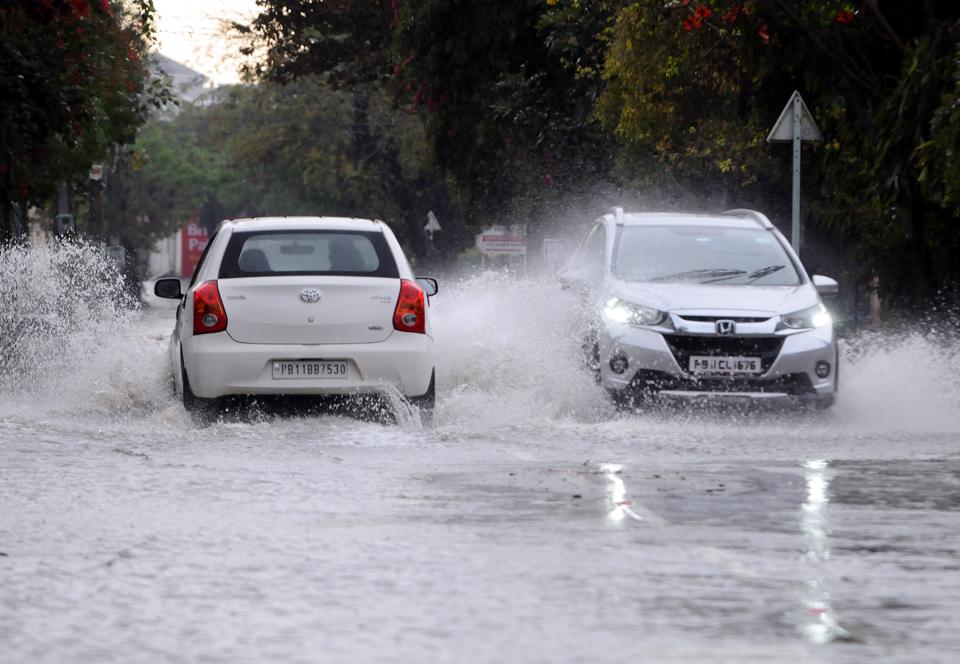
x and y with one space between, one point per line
302 306
702 307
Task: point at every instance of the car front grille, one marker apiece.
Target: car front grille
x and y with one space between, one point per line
735 319
684 346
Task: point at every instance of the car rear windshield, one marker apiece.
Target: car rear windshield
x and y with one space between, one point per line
313 252
703 255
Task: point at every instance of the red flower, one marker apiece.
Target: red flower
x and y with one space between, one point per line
697 19
731 14
845 17
763 32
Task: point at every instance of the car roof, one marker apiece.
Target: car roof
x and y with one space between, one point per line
729 219
304 223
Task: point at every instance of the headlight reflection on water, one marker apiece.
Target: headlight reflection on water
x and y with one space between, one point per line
620 507
820 625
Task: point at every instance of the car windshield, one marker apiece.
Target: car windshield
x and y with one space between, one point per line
702 255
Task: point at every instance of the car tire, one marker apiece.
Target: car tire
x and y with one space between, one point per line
197 407
623 400
426 402
595 362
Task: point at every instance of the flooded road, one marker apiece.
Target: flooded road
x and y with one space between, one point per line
531 523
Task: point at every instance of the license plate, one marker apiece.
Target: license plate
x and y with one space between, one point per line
724 365
283 369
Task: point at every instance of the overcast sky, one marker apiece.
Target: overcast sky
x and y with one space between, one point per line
190 31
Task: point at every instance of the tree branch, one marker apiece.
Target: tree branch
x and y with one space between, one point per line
874 7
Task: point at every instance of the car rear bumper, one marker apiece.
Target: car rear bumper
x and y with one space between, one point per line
216 366
653 366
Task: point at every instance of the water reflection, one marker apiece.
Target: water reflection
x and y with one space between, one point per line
619 507
820 624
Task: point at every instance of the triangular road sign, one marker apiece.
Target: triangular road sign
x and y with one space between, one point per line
432 223
782 131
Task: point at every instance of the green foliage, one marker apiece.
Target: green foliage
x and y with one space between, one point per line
506 91
344 41
296 149
72 82
692 88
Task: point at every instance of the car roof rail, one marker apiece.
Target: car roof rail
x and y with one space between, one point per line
617 213
759 217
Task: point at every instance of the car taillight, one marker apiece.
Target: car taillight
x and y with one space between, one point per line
208 312
409 315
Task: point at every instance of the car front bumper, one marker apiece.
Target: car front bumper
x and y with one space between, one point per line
654 365
216 366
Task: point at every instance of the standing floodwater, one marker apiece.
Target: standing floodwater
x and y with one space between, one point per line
531 523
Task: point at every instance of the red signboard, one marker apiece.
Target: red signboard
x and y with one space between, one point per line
193 240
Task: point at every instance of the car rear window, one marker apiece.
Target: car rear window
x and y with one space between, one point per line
317 252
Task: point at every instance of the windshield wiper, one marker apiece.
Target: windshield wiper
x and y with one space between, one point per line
763 272
753 276
722 273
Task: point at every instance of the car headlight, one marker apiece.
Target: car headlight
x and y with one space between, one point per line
637 315
811 317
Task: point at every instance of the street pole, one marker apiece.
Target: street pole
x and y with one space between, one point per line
795 125
797 141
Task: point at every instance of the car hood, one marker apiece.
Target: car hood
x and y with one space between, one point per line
692 298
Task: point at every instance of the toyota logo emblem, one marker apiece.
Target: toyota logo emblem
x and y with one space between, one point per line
310 295
726 326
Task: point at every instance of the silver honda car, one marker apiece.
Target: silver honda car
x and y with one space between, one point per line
687 306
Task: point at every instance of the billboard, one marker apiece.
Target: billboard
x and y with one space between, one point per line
497 241
193 240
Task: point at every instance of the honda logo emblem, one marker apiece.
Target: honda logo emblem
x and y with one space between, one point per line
726 326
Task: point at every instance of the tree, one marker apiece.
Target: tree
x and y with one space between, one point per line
694 87
507 90
276 149
72 82
344 41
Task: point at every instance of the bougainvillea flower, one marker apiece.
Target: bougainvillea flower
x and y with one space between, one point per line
845 17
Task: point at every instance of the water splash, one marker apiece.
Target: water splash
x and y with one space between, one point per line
509 353
509 360
68 331
901 381
510 356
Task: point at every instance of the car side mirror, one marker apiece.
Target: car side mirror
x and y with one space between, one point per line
826 286
429 285
168 289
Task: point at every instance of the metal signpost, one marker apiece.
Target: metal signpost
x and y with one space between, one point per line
795 125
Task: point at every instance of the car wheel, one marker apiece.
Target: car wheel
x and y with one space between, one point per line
426 402
595 363
196 406
591 355
623 400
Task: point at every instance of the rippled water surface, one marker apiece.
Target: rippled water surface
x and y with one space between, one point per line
530 523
